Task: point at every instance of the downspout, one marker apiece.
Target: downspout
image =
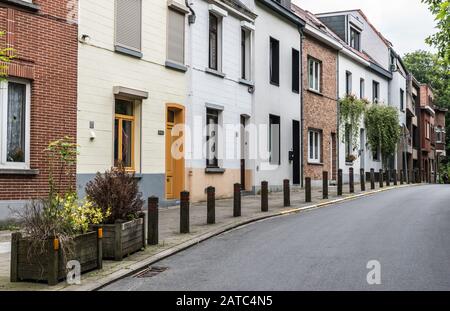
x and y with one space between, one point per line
338 107
302 121
189 87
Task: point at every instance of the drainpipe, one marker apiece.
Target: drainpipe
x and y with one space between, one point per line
189 117
302 121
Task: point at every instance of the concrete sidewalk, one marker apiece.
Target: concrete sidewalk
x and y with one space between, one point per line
172 242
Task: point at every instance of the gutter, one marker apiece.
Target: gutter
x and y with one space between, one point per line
302 119
283 11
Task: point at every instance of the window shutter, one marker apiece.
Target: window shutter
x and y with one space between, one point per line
176 36
128 23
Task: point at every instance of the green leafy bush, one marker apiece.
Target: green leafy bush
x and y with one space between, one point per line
383 129
351 112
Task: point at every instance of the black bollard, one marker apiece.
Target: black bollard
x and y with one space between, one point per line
339 185
395 177
264 196
362 179
372 179
286 193
351 177
210 205
152 221
388 178
325 185
308 189
184 212
381 178
237 200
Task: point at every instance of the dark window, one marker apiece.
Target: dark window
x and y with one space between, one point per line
295 71
355 39
348 82
375 92
274 139
402 102
362 88
212 125
213 41
243 53
16 122
274 61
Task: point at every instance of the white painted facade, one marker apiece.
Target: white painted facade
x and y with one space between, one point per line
271 99
359 70
101 69
223 90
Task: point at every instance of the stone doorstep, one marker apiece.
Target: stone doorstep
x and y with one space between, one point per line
113 271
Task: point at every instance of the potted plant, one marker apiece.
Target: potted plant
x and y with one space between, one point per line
349 159
55 229
116 193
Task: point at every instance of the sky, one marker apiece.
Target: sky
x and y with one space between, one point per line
406 23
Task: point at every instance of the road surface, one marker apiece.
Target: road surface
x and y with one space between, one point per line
406 230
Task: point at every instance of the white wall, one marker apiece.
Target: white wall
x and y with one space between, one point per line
277 100
359 71
206 88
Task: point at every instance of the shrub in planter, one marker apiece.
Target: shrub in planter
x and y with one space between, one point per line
54 232
116 192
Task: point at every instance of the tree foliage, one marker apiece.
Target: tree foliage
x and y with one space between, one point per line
441 39
382 128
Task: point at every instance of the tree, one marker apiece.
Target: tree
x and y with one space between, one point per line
430 69
441 39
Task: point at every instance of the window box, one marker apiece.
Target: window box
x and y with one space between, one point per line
50 267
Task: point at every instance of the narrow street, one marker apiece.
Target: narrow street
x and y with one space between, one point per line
406 230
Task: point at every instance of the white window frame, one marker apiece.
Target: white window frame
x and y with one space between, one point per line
248 53
3 128
119 44
317 139
317 71
219 15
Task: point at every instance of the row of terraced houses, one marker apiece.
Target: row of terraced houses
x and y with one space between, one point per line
197 93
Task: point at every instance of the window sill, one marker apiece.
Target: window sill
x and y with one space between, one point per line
215 72
315 92
126 51
316 163
176 66
349 163
214 170
246 82
18 171
277 84
23 4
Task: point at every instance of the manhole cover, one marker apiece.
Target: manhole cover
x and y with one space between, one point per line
150 272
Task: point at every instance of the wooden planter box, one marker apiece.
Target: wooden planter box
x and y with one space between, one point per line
50 267
123 239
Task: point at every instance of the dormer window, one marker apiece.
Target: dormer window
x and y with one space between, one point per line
355 39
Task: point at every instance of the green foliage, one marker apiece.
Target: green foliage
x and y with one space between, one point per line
6 56
62 157
351 111
428 68
382 129
441 39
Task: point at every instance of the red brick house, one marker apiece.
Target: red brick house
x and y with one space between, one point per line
38 101
439 123
319 61
426 113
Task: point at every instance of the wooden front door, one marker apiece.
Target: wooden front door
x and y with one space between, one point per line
174 145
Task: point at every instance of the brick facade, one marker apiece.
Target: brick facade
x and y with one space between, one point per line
320 110
45 42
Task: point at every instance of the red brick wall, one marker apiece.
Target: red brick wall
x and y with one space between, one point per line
320 111
46 53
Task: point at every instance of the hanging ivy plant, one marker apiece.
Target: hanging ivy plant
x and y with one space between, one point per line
351 110
383 130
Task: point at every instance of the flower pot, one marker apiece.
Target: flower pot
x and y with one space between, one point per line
123 239
50 266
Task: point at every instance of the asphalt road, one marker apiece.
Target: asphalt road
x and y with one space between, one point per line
406 230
